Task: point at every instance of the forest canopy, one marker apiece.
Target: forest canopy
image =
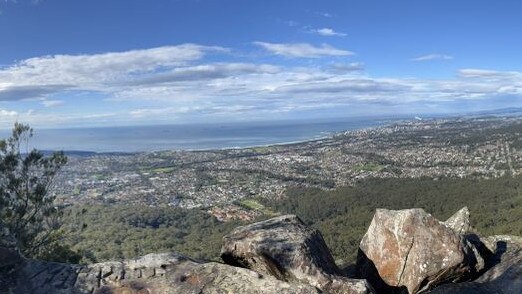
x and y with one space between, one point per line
343 215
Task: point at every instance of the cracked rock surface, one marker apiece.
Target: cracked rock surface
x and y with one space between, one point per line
403 251
409 250
504 277
153 273
284 247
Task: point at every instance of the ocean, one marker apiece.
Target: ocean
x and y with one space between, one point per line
192 136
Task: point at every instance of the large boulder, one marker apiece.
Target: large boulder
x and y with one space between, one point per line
153 273
411 251
284 247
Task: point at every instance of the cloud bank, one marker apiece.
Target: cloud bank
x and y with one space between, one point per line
191 81
302 50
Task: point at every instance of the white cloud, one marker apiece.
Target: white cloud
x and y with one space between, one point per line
348 86
328 32
7 113
52 103
154 112
310 87
19 90
302 50
177 81
207 72
434 56
41 76
486 73
347 67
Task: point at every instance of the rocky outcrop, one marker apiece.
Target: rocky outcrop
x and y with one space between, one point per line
285 248
153 273
404 251
410 249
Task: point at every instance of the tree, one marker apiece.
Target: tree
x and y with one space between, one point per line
26 206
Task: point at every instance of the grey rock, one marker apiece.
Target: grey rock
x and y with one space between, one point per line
501 243
459 222
153 273
405 251
503 278
285 248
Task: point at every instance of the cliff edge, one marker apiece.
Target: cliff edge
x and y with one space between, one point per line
403 251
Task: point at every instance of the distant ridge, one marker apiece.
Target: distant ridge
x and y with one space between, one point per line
500 111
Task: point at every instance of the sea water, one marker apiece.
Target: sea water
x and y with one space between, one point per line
192 136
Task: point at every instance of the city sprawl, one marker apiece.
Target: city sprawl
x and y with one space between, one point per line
227 182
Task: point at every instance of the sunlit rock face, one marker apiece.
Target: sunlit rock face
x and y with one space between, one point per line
459 222
153 273
411 250
403 251
284 247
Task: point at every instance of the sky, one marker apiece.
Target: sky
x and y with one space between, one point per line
75 63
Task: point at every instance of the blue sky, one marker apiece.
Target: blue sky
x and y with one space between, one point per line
105 63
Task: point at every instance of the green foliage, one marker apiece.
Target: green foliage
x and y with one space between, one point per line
253 204
26 207
105 232
372 167
342 215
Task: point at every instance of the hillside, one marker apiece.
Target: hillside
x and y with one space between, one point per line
402 251
342 215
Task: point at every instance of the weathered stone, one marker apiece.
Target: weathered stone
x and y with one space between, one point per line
221 278
42 277
505 275
503 278
168 273
499 244
403 251
284 247
411 250
509 268
459 222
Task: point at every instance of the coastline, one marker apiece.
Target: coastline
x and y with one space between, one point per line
304 141
281 138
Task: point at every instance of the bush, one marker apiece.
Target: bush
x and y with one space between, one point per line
26 207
